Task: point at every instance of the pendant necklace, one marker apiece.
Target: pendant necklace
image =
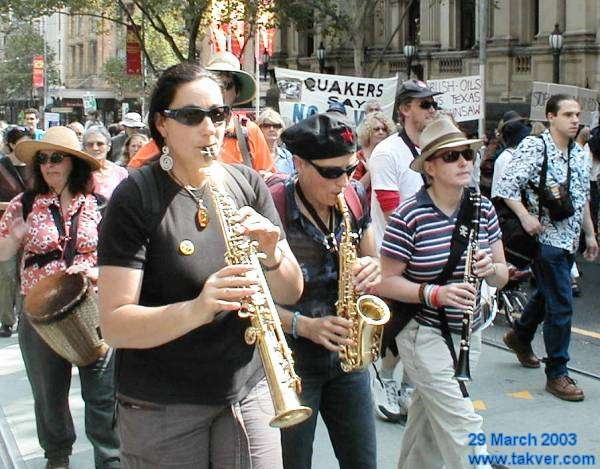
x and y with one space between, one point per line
201 218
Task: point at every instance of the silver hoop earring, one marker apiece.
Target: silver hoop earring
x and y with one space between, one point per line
166 160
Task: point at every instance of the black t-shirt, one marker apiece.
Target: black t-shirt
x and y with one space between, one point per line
211 364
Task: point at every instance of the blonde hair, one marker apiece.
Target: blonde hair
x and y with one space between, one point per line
365 129
537 128
270 116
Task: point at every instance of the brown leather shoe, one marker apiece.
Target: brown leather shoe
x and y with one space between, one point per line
565 388
524 351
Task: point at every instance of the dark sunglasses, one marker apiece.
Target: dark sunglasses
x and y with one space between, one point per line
428 105
192 115
54 158
333 172
453 156
271 126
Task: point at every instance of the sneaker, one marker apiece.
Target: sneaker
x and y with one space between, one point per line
524 351
385 397
6 331
404 399
58 462
565 388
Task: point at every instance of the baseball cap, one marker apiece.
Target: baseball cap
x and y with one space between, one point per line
413 89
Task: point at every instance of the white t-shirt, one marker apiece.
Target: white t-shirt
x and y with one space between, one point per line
500 167
389 168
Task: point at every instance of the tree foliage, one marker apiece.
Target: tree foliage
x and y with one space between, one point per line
170 31
22 44
114 72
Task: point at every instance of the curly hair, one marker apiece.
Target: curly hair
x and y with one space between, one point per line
365 129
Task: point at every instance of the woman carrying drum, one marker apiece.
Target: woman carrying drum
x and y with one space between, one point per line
191 391
60 202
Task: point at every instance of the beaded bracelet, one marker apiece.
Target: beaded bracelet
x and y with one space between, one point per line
434 297
422 293
295 325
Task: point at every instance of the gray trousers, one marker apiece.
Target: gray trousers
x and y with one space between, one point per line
10 298
187 436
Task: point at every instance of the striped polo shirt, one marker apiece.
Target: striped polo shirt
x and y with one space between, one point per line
419 234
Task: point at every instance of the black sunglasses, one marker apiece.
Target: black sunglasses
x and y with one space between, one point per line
333 172
453 156
428 105
192 115
54 158
271 126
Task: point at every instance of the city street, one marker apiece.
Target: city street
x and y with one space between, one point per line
510 398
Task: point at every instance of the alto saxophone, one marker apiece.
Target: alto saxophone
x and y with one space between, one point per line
367 313
265 330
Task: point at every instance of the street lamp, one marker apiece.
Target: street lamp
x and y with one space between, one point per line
265 59
321 57
410 51
556 42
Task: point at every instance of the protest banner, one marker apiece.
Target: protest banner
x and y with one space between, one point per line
461 96
303 94
541 92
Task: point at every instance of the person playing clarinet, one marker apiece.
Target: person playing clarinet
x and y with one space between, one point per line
423 265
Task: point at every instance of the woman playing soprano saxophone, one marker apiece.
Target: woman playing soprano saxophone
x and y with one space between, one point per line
415 249
191 391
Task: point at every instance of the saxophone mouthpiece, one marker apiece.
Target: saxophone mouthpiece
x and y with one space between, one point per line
210 152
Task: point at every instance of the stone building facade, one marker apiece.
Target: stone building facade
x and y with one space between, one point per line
446 35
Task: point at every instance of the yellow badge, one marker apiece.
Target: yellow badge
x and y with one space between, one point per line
186 247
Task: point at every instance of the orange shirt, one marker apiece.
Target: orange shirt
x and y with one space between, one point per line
145 155
262 160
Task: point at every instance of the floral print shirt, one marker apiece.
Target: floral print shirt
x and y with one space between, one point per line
42 234
526 166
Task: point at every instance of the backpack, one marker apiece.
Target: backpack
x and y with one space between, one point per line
276 184
146 180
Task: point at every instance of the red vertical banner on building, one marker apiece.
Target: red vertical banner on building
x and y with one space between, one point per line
134 52
38 71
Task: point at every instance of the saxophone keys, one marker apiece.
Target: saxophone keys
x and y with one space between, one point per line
250 335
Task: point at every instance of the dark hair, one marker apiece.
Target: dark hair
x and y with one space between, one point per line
114 129
31 110
514 132
166 87
79 181
13 134
553 104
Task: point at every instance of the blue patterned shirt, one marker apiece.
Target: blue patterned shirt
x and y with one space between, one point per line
526 166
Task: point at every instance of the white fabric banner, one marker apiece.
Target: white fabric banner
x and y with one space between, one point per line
303 94
462 97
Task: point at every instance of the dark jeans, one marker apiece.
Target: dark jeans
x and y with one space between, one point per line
50 378
552 304
344 400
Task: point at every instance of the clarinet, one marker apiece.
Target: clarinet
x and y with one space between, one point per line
463 373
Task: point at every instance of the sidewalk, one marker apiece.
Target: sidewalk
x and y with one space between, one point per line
511 399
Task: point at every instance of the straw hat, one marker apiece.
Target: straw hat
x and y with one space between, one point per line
438 134
227 62
57 138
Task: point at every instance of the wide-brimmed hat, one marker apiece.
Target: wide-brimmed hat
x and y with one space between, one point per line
57 138
438 134
133 120
227 62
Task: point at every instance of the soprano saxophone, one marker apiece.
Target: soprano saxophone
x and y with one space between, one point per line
463 372
367 313
265 327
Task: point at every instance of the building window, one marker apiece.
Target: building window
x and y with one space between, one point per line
92 57
73 59
80 63
536 17
414 22
467 23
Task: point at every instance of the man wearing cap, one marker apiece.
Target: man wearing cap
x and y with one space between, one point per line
423 263
244 142
392 182
132 123
324 147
